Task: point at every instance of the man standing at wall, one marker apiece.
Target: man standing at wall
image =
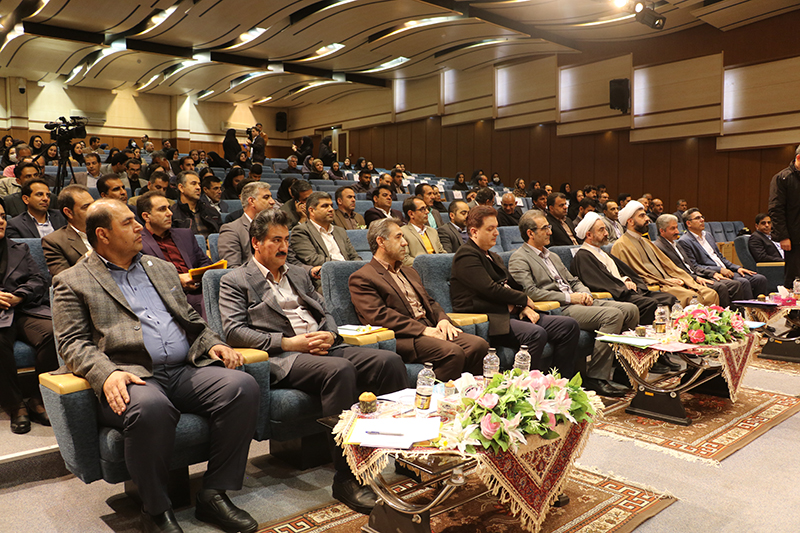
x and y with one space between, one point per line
784 210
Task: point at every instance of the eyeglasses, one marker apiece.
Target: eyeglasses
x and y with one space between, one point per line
424 209
546 228
699 217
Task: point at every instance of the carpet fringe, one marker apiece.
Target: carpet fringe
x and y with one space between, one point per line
613 475
654 447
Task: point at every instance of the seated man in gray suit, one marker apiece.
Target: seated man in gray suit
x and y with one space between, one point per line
454 234
123 323
318 241
66 246
39 220
544 277
422 239
271 305
234 237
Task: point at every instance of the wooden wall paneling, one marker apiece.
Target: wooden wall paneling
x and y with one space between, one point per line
416 99
583 154
501 155
525 93
713 186
541 137
483 156
404 144
656 169
561 163
465 150
449 154
355 144
378 151
418 144
744 182
433 148
631 167
683 176
390 146
606 161
519 150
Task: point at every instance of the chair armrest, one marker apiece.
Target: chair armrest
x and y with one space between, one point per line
653 288
261 373
251 355
601 295
465 319
63 383
369 338
771 264
546 306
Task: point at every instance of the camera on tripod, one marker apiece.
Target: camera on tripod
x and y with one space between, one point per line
63 130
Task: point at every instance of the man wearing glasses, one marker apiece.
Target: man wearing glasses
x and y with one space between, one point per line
544 277
700 249
421 238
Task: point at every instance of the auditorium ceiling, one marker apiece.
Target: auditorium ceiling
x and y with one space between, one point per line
288 53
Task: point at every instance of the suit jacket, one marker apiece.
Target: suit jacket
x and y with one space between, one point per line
23 225
307 243
182 217
62 249
697 257
530 271
81 178
252 317
481 284
234 242
379 301
437 217
9 186
24 279
98 331
15 206
612 235
504 219
560 237
682 263
450 238
762 248
416 246
340 220
373 213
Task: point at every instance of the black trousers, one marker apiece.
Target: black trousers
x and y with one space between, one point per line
339 377
38 332
228 398
649 302
562 332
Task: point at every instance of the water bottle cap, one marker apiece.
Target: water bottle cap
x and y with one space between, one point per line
523 347
428 365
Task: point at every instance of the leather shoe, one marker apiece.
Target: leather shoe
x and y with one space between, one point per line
602 387
39 417
359 498
20 423
669 363
161 523
214 507
619 386
658 368
561 501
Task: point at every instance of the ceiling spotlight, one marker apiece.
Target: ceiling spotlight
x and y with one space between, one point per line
619 4
638 7
649 17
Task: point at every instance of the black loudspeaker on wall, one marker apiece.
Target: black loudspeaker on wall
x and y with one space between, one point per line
619 94
281 121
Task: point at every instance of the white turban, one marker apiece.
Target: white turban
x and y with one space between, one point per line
586 224
628 211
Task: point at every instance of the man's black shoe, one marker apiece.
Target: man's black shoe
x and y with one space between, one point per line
602 387
672 365
214 507
561 501
357 497
161 523
620 386
658 368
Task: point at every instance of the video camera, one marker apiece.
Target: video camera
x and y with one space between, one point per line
63 130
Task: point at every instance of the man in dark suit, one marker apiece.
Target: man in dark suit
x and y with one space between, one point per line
425 192
386 293
667 241
784 210
234 237
480 283
510 212
23 316
761 246
191 212
563 228
68 245
23 173
700 249
39 220
124 325
381 206
454 234
345 216
174 245
271 305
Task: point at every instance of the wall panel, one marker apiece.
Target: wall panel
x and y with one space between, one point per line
433 145
525 93
468 96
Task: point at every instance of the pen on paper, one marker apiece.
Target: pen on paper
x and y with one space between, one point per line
384 433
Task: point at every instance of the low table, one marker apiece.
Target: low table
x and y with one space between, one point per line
783 336
716 369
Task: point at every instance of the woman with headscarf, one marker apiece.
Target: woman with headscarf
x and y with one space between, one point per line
371 168
574 203
565 189
284 195
37 144
76 154
306 168
361 164
233 178
111 153
305 149
519 188
50 154
461 182
6 142
230 146
335 172
317 170
243 161
326 153
346 165
496 181
214 160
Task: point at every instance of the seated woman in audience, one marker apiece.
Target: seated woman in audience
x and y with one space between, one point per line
111 153
519 188
307 168
137 153
565 188
243 161
573 203
6 142
361 164
215 161
234 177
76 155
496 180
37 144
284 194
461 182
371 168
9 157
335 172
50 154
346 165
317 170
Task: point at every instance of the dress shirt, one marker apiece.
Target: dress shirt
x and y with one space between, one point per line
91 181
408 291
563 286
616 226
606 260
301 320
568 231
330 242
678 251
349 220
45 228
164 339
701 239
431 220
386 214
82 235
426 241
171 252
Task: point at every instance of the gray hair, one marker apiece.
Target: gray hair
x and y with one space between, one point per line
183 175
259 228
665 220
526 222
380 228
251 190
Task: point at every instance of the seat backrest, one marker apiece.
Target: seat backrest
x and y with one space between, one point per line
434 269
37 253
336 290
738 225
398 204
565 253
652 231
730 230
232 205
362 206
716 229
211 299
201 242
213 242
741 245
510 238
359 239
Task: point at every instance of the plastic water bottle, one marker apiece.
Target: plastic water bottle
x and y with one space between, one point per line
677 310
425 379
796 287
694 300
523 359
491 364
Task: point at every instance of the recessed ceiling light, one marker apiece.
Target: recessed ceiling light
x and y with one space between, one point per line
388 65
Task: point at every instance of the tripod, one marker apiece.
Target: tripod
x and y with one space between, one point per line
63 165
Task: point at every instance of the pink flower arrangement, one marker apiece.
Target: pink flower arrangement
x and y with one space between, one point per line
489 428
699 324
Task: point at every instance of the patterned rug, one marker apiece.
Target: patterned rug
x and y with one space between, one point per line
773 365
718 428
597 503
